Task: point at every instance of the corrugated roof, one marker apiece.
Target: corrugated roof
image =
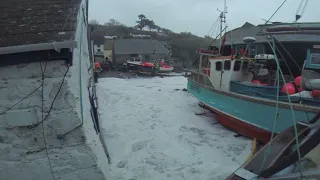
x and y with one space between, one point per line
25 22
139 46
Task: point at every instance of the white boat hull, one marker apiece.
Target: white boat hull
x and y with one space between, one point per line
162 69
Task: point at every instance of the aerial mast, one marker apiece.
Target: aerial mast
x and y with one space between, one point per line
222 21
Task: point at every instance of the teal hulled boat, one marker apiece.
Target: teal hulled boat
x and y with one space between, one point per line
247 108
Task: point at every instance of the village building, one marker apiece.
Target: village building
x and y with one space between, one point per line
49 126
98 44
148 49
108 47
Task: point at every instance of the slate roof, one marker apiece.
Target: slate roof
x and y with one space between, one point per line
138 46
25 22
235 36
97 39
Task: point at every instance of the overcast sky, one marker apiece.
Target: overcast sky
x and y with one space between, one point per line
198 16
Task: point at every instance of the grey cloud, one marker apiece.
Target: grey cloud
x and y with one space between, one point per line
197 16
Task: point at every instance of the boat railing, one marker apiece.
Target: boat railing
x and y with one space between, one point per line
201 78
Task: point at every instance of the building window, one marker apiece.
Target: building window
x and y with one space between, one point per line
237 66
227 65
218 66
98 50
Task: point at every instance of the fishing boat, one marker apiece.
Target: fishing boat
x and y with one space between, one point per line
164 67
226 86
222 90
147 68
133 63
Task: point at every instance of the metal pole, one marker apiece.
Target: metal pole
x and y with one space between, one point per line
221 21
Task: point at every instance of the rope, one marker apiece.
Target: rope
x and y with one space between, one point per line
266 153
253 149
282 57
291 109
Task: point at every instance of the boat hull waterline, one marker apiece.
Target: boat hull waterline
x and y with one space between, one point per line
253 119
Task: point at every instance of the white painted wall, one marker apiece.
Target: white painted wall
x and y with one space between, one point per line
98 48
80 155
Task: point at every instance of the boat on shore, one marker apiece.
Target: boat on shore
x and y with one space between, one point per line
132 64
165 68
147 68
227 86
256 98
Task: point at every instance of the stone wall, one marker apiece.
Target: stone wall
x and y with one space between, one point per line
77 155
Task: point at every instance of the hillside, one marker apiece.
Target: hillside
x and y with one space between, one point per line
184 45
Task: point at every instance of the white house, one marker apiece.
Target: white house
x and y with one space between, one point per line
97 43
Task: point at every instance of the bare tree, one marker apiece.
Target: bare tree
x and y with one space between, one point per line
93 21
112 22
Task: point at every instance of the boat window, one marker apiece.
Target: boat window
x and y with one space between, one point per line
237 66
218 66
315 59
227 65
245 65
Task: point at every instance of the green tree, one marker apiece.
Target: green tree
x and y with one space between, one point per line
158 28
141 23
151 25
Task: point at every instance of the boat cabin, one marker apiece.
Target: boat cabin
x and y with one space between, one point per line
311 70
224 71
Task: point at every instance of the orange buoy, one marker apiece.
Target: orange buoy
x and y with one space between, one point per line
97 65
255 82
315 93
290 87
298 80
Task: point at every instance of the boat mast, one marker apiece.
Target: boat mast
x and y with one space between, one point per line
222 21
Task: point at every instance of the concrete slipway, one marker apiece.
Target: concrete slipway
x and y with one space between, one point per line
152 132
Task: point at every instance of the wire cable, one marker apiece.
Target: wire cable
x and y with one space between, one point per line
301 8
53 101
32 92
42 117
262 27
213 27
61 136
